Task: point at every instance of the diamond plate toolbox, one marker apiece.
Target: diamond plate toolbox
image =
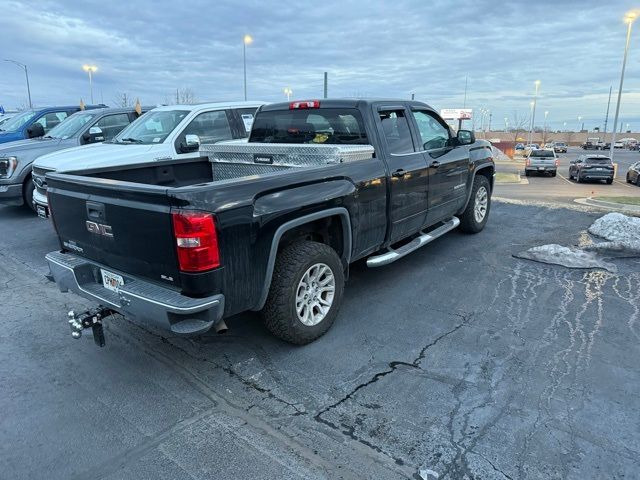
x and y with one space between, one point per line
285 154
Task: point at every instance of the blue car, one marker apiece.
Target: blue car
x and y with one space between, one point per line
36 122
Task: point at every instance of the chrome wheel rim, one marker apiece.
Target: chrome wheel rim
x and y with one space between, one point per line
314 295
481 204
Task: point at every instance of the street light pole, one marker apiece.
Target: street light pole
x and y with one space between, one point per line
288 92
245 41
629 18
533 110
90 69
531 104
544 130
26 74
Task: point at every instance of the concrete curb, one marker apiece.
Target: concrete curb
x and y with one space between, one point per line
617 207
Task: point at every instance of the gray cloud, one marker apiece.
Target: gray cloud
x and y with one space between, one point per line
374 48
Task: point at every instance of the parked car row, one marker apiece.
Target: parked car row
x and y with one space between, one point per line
53 132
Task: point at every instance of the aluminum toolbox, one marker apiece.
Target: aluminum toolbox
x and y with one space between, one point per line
285 154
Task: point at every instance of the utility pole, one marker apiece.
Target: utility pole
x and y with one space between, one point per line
490 115
26 74
326 84
606 119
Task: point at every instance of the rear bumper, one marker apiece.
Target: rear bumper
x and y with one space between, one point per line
596 175
162 307
541 168
11 194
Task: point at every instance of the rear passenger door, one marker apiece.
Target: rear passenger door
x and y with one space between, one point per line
408 172
51 119
448 165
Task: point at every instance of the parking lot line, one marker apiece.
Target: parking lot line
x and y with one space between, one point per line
568 181
625 184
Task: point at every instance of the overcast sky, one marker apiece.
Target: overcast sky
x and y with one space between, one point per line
374 48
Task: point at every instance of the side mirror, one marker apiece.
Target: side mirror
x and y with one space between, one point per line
191 143
94 135
35 130
465 137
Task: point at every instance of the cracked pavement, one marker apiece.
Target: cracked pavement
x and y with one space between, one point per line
458 359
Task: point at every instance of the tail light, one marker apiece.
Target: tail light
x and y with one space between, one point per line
304 105
196 241
557 162
527 162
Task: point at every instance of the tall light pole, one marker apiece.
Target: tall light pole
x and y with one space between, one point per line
532 105
579 120
506 124
629 18
26 74
533 109
91 69
288 92
246 40
544 130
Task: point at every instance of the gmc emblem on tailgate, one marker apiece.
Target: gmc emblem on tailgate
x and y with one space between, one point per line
99 228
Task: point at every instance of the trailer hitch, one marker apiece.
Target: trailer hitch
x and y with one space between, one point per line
90 319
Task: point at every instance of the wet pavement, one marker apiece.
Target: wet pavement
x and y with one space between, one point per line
459 359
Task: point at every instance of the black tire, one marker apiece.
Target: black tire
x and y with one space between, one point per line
628 178
638 181
468 221
27 193
527 173
579 178
609 181
553 174
279 313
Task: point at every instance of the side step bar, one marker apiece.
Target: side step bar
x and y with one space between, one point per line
392 255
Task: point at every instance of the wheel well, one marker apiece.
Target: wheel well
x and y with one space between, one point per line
488 173
326 230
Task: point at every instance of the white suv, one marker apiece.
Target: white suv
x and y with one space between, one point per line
171 132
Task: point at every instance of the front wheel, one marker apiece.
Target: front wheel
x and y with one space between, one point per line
306 292
609 181
475 216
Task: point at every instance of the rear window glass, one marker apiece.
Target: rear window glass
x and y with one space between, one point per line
599 161
542 153
329 126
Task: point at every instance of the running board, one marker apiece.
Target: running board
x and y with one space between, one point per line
392 255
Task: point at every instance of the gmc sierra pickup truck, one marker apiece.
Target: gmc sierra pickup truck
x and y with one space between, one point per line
270 225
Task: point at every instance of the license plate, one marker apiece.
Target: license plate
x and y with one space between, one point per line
111 281
540 168
599 169
43 212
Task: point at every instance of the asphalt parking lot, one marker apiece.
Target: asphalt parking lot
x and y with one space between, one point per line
459 360
562 190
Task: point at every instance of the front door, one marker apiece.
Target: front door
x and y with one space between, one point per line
448 166
407 170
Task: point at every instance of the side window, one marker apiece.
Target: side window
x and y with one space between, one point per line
51 120
111 125
396 131
211 127
433 134
246 117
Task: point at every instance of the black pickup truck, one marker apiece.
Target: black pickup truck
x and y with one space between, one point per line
270 225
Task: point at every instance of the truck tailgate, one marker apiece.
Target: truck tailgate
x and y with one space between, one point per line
128 229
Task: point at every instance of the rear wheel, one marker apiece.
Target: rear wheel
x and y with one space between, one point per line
475 216
306 292
628 178
27 193
609 181
553 174
579 178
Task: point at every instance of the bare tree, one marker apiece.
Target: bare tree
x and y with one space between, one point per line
518 125
123 99
183 96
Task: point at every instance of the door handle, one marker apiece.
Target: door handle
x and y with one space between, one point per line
399 173
435 164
